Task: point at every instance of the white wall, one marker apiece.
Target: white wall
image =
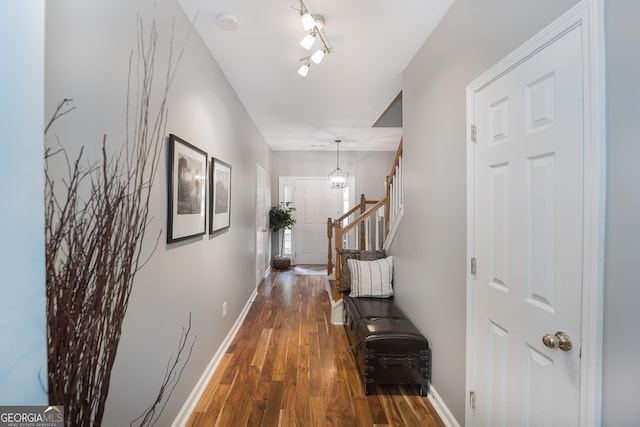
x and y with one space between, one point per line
88 47
622 287
430 247
23 358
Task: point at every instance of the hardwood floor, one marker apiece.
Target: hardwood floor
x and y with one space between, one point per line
287 366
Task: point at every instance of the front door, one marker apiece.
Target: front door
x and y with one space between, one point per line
315 201
528 232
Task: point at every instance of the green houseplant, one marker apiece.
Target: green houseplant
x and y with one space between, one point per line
280 219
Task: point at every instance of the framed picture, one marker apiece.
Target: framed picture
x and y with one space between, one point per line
219 196
187 190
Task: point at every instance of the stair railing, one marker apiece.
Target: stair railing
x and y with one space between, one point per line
368 225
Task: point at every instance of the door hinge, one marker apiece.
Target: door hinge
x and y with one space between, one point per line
472 399
473 266
474 133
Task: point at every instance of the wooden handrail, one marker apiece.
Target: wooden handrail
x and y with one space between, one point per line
396 162
354 210
362 217
335 229
388 182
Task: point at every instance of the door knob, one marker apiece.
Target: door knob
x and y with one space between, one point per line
559 340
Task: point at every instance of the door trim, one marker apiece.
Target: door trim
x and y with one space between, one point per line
589 15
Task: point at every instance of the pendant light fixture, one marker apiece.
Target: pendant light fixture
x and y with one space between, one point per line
338 177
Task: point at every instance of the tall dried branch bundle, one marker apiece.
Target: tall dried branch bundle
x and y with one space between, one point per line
95 224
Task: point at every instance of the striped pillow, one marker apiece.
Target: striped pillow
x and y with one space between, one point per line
371 278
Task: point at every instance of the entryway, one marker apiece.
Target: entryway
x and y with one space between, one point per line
314 202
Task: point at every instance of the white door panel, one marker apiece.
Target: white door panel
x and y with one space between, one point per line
529 239
314 202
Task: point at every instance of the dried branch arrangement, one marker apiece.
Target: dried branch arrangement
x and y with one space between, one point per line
95 224
171 378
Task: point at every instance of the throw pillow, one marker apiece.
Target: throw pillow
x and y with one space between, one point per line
371 278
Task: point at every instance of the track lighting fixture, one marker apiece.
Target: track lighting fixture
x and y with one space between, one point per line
313 23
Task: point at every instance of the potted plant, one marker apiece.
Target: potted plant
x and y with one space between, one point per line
280 219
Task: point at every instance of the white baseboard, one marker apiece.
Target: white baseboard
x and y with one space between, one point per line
189 406
443 412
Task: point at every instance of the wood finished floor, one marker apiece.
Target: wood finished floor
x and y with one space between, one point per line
287 366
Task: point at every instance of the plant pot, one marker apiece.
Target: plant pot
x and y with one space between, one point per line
281 263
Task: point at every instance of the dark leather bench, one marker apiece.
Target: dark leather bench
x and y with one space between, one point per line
387 347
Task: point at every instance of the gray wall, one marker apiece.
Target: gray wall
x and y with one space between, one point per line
430 248
622 286
87 53
368 167
23 358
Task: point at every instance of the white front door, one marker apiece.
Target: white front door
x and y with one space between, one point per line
315 202
528 233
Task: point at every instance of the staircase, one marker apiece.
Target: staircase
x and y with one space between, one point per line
370 225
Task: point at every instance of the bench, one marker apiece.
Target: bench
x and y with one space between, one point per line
387 347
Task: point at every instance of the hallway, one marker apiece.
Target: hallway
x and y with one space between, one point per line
287 366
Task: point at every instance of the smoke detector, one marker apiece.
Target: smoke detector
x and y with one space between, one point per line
227 21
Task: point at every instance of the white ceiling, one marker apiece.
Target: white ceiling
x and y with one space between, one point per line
371 42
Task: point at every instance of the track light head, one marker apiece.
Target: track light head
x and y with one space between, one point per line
307 21
304 69
318 56
307 41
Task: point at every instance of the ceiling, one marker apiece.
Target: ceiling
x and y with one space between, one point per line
371 42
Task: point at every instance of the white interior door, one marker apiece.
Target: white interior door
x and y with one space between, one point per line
528 233
314 202
261 224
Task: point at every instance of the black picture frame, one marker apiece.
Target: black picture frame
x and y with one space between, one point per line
219 196
187 192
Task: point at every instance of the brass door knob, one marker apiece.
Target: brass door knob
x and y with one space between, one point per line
560 340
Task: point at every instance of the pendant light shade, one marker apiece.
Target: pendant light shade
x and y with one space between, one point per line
338 177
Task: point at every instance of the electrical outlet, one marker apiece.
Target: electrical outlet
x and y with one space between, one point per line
224 309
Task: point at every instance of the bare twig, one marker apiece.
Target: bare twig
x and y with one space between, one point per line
59 113
171 378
